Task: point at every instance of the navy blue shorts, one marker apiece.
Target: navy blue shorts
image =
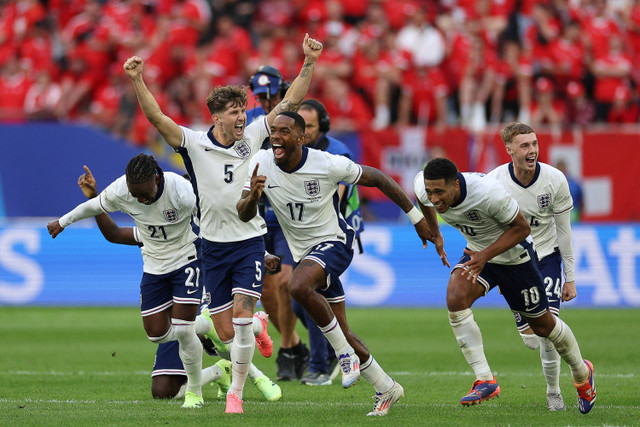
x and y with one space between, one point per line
551 271
276 244
167 360
160 291
231 268
334 257
521 285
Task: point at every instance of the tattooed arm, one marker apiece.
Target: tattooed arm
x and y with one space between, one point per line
372 177
299 87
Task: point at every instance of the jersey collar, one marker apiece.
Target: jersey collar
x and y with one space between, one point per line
463 190
303 160
160 189
215 142
533 181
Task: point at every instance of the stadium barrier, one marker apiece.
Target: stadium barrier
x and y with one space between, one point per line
80 268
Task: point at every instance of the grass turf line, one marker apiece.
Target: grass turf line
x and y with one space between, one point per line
75 366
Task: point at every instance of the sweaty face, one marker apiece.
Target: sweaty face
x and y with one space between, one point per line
524 151
286 141
145 192
232 122
441 194
312 129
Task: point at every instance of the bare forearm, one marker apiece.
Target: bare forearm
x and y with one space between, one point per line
511 237
431 217
299 88
114 233
169 130
372 177
148 103
247 208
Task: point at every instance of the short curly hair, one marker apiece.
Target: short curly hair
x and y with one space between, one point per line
223 97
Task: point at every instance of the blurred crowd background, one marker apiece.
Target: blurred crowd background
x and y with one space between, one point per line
465 63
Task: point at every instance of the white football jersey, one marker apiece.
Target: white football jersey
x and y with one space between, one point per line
306 200
547 195
218 174
164 226
483 212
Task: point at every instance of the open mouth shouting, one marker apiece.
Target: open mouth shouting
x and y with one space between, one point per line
278 152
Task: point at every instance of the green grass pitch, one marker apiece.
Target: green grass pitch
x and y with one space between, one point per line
91 366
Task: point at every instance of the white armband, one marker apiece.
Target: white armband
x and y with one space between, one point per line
136 235
415 215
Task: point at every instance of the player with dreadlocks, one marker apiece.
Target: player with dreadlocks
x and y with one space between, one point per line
161 205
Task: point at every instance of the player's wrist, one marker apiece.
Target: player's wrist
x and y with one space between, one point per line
415 216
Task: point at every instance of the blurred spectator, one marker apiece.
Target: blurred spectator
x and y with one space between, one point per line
14 84
347 109
42 98
598 27
512 89
567 56
477 80
575 189
624 108
423 98
611 71
580 110
420 38
546 109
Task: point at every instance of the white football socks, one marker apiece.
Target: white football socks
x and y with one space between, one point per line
336 338
566 345
372 372
469 339
550 364
242 349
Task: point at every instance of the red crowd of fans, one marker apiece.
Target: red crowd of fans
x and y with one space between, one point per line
385 62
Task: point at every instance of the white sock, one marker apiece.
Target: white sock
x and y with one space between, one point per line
202 325
336 338
211 374
550 365
180 394
244 344
530 340
190 351
169 336
256 326
254 372
373 373
469 339
566 345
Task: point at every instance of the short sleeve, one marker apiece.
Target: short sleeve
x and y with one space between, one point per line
110 199
420 190
562 201
343 169
501 205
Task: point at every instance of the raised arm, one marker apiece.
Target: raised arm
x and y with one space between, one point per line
299 87
247 206
169 130
110 230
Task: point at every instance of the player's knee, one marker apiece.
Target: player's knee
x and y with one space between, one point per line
166 386
530 340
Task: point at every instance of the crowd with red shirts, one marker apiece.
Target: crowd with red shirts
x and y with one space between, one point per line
385 62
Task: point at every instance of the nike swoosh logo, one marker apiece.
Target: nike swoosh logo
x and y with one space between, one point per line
272 186
191 291
531 309
208 149
134 214
255 286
